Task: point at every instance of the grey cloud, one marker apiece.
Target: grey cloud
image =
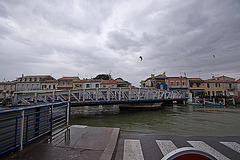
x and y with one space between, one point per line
123 40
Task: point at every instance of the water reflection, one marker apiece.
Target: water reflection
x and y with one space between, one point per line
180 120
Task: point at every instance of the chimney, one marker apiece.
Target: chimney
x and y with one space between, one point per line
152 75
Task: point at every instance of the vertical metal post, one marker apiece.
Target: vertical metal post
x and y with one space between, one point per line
120 94
214 101
53 95
67 114
83 94
139 93
108 94
27 129
96 94
35 98
16 128
51 120
21 129
69 95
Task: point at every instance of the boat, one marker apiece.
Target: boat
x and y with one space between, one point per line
194 104
208 103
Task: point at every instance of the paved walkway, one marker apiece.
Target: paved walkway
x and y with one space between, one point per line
77 142
94 143
151 147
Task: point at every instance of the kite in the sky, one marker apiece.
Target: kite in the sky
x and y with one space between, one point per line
213 56
141 58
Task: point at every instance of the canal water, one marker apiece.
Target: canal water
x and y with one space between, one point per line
172 120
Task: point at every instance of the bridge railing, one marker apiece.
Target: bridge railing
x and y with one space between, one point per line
95 95
21 126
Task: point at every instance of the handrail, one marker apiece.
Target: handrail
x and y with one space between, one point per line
19 127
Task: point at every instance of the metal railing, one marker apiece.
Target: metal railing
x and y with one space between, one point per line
21 126
96 95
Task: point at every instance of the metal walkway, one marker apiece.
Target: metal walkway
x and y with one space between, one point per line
97 96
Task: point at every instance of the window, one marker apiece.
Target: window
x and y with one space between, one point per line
49 87
88 85
171 83
112 86
198 84
35 79
213 93
208 86
30 79
191 84
97 85
219 85
177 83
53 86
104 86
215 84
183 83
230 86
5 87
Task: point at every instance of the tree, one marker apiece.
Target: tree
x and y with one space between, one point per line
103 76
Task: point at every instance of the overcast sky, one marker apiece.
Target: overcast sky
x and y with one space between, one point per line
90 37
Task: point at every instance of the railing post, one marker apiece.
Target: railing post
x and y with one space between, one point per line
69 95
84 94
120 94
139 93
21 129
35 98
68 113
51 120
108 94
53 100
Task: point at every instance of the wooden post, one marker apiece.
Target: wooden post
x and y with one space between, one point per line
214 101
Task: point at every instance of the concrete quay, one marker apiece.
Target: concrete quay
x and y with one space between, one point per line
100 143
76 142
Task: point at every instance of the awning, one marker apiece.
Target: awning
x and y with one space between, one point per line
231 93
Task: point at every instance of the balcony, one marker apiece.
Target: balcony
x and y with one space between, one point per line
175 86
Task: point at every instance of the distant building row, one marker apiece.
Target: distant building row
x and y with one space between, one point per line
47 82
216 86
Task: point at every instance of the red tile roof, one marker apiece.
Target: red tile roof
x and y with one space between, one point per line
238 81
109 82
69 78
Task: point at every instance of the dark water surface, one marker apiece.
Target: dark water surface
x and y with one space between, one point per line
173 120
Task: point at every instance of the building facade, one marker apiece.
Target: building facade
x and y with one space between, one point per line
31 82
7 89
49 84
221 86
67 83
109 84
177 83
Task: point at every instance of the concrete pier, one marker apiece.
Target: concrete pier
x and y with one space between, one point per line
76 142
